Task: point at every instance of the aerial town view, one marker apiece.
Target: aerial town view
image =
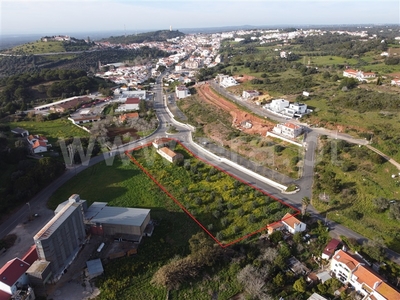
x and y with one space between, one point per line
224 150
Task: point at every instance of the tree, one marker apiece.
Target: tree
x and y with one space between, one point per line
279 280
305 202
394 211
375 249
300 285
348 82
380 203
253 282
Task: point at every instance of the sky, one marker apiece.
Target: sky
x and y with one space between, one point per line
68 16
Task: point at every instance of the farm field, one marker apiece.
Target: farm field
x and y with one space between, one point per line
53 130
227 208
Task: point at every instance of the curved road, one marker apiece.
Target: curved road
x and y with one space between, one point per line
185 137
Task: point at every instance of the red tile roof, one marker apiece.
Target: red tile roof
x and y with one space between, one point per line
133 115
13 270
168 151
290 220
366 276
347 259
160 141
291 125
132 101
387 291
39 143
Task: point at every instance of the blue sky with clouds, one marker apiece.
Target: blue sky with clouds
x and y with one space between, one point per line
64 16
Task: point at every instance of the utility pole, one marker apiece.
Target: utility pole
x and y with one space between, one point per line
30 212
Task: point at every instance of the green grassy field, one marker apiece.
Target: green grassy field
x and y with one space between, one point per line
40 47
329 60
360 179
53 130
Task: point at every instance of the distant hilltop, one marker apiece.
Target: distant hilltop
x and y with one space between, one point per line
155 36
59 38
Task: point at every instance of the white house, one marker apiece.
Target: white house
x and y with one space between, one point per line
292 224
130 104
169 155
349 269
249 94
38 143
359 75
161 142
178 67
228 81
395 82
296 109
288 129
13 276
277 105
39 147
182 91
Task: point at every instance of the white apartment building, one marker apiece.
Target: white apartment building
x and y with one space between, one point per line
182 91
288 129
351 270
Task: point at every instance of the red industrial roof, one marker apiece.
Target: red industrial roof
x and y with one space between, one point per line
31 255
331 247
4 295
13 270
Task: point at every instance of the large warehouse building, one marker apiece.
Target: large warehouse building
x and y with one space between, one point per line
119 222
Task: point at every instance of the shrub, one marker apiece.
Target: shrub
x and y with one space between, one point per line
240 212
278 148
224 222
254 204
198 201
252 218
381 204
216 214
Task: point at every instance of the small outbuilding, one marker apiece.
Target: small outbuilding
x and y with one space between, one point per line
94 268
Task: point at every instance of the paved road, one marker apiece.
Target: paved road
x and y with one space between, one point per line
185 136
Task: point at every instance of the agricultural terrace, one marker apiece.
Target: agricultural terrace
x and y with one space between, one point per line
228 209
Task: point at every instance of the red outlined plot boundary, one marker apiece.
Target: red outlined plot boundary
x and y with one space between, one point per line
184 208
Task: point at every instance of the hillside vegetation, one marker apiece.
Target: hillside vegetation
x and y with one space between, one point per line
155 36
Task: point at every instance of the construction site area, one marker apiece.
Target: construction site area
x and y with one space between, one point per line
242 120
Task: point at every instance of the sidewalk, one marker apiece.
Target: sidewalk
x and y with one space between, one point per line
246 163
